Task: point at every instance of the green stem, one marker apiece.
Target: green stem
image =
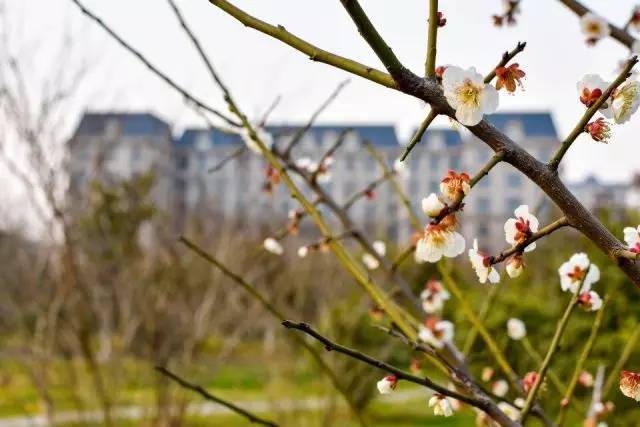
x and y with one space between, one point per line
432 42
419 133
553 347
586 350
613 377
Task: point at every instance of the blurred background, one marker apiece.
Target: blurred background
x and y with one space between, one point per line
103 166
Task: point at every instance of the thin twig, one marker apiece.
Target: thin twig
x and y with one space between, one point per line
553 347
297 137
417 137
520 247
329 345
582 359
208 396
506 57
629 347
276 313
155 70
235 153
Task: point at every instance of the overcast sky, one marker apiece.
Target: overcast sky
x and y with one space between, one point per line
258 68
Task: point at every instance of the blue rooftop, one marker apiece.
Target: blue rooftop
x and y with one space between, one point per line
133 124
534 124
375 134
451 137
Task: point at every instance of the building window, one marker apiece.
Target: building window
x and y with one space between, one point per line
484 206
454 163
513 203
483 232
136 153
434 163
514 180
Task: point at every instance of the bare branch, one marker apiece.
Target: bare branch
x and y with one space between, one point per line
520 247
329 345
314 53
152 67
208 396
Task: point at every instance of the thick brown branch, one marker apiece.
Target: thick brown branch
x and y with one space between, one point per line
485 405
208 396
372 37
520 247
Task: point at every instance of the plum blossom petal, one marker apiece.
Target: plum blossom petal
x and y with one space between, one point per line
467 93
516 329
573 272
387 384
272 245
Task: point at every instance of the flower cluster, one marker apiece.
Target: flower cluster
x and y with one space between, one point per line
436 332
619 107
440 237
319 170
433 296
510 9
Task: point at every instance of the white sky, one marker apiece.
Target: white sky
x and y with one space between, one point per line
258 68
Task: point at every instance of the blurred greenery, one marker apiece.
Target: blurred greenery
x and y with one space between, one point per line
232 348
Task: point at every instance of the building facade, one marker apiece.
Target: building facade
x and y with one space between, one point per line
112 146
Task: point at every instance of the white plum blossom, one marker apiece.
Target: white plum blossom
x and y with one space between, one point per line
303 251
468 94
433 296
630 384
516 329
370 261
519 402
509 410
441 405
440 240
380 247
482 265
594 27
263 136
517 230
500 388
573 272
590 301
387 384
436 332
455 185
304 163
321 171
624 102
632 238
432 205
400 168
515 266
272 245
